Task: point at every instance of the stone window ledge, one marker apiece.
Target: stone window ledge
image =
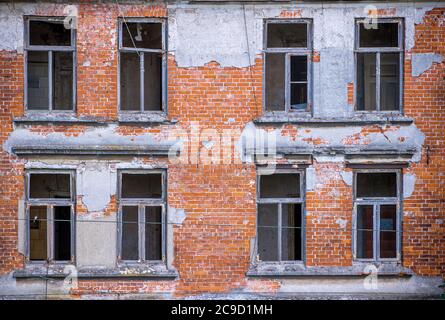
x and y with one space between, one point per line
357 119
155 271
144 117
298 269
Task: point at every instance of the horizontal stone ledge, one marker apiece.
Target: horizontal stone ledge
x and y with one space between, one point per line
140 121
332 121
158 151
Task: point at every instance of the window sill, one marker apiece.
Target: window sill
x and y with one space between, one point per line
298 269
45 117
359 119
144 118
155 271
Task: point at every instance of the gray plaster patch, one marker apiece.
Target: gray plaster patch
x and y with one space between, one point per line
342 223
95 196
347 177
409 181
310 179
421 62
176 216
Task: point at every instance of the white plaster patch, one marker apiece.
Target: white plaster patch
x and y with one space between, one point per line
176 216
409 181
420 62
342 223
310 178
347 177
95 185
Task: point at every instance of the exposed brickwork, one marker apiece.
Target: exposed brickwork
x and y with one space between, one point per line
212 246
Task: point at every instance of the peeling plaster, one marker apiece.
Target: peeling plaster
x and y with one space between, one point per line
95 196
342 223
347 177
409 181
420 62
176 216
310 179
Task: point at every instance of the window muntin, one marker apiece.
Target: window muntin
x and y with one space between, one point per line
287 57
377 203
379 65
142 67
50 216
280 217
141 216
50 65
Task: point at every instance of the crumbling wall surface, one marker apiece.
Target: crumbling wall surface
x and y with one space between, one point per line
215 78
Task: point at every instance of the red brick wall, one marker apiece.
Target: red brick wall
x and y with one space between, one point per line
212 245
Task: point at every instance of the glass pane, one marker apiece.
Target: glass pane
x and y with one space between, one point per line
62 233
152 81
141 185
268 232
291 232
49 33
38 86
384 35
365 226
298 96
54 185
153 233
366 81
286 35
379 184
142 35
280 185
389 81
130 81
298 68
37 233
388 234
130 234
275 81
63 81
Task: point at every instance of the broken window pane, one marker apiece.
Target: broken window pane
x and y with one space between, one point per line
366 81
365 226
379 184
130 233
142 35
53 186
280 185
38 85
268 232
152 81
389 81
291 240
275 81
48 33
63 80
286 35
385 35
130 81
388 234
153 233
62 233
37 233
141 185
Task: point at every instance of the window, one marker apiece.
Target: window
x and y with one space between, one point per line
280 224
142 56
50 65
377 218
142 216
287 65
50 212
379 62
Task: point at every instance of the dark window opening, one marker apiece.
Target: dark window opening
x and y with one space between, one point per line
38 233
50 186
62 233
141 185
381 184
287 35
142 35
268 232
275 81
63 81
365 227
388 231
291 239
38 83
298 82
153 233
130 233
152 81
366 81
48 33
280 185
130 81
389 81
381 35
